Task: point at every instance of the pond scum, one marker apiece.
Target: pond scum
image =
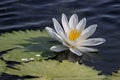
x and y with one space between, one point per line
31 49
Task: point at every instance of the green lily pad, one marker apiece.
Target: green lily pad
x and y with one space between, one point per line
54 70
2 66
12 40
19 54
115 76
26 44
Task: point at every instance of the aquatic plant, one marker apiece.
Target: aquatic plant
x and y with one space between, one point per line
31 48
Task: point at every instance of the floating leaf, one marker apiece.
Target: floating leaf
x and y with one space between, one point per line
12 40
115 76
2 66
54 70
18 54
26 44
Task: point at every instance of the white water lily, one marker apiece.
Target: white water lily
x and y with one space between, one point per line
73 35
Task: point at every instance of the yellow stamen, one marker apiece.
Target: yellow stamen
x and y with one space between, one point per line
74 34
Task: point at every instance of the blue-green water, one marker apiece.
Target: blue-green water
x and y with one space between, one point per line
36 14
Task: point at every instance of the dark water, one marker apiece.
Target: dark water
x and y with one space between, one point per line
36 14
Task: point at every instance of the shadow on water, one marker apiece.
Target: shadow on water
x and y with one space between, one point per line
36 14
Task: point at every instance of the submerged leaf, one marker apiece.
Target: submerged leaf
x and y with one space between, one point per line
54 70
2 66
26 44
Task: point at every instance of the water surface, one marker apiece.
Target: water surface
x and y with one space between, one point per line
36 14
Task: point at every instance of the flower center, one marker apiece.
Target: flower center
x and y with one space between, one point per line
74 34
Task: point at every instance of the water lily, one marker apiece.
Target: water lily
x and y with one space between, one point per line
73 35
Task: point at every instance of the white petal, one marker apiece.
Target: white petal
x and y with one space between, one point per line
50 31
57 27
65 23
57 37
76 51
60 39
92 42
73 21
81 25
86 49
58 48
88 31
60 32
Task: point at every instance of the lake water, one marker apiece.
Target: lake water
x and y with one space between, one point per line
36 14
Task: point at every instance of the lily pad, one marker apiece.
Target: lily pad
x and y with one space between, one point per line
2 66
19 54
54 70
12 40
115 76
26 44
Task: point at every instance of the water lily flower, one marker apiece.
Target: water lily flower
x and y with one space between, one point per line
73 35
